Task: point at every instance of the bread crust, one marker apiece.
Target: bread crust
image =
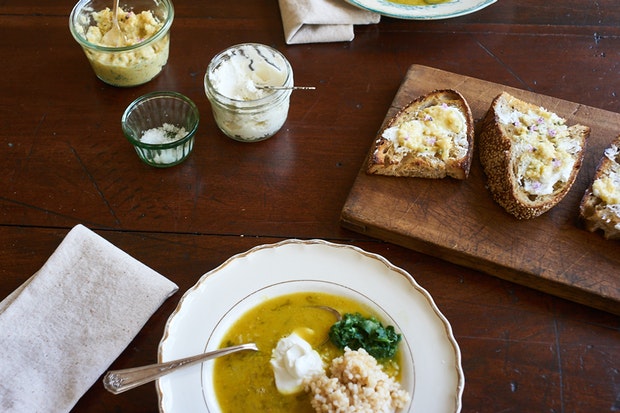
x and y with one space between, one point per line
383 159
497 156
594 212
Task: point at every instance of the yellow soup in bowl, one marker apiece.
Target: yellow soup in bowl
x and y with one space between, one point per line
244 382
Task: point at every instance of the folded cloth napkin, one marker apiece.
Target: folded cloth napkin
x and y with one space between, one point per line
65 325
322 21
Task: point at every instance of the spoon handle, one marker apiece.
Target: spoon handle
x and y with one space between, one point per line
118 381
267 87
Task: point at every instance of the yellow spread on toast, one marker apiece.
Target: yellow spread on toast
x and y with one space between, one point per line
607 186
607 189
543 147
432 132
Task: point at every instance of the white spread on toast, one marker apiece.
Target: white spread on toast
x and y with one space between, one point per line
433 131
607 186
544 150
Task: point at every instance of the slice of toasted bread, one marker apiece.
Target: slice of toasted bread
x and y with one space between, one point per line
431 137
529 155
600 205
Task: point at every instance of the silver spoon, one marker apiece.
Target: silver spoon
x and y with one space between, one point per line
332 310
268 87
114 36
118 381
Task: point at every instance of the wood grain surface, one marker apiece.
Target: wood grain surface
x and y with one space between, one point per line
66 162
459 221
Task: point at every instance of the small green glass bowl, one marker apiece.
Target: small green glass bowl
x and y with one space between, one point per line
161 126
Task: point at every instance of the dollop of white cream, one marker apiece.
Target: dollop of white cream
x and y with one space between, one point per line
292 361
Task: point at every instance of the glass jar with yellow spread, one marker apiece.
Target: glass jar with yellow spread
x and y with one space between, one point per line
145 25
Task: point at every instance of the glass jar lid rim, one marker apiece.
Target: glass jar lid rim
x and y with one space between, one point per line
253 103
84 42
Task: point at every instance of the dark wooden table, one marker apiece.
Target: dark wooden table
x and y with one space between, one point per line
65 161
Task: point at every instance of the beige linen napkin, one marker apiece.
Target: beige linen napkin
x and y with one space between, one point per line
65 325
322 21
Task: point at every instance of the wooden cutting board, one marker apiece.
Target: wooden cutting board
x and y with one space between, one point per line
458 220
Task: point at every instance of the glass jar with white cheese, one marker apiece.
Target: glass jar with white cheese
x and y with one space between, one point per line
249 87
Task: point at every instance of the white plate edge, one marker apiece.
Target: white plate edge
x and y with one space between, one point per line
363 4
